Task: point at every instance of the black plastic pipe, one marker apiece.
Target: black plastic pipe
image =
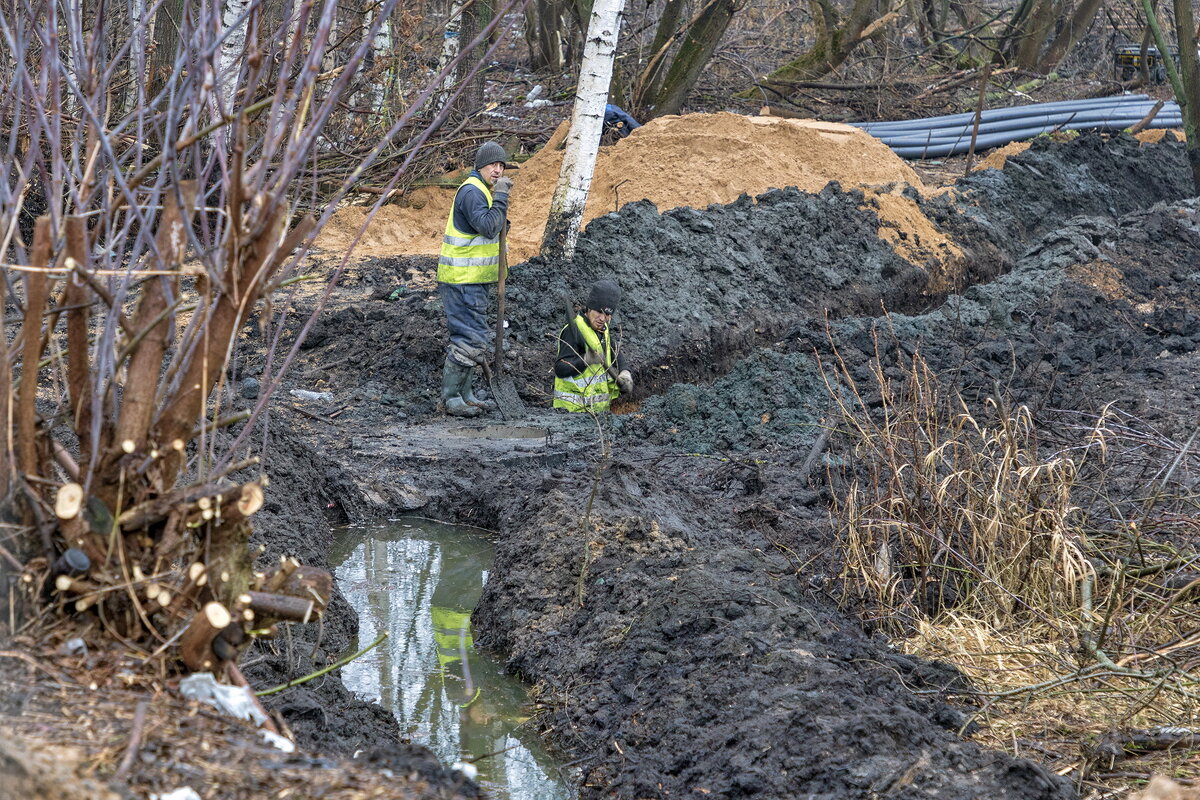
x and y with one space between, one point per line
938 137
1070 122
1086 114
961 146
1008 113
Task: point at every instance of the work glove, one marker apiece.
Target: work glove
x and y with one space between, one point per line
502 186
625 381
593 357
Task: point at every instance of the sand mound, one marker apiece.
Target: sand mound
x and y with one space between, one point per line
693 160
1159 134
999 157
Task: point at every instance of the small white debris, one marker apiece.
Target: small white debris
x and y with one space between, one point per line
74 647
280 742
182 793
469 771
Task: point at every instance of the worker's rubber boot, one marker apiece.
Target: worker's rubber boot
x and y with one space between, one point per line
472 399
453 376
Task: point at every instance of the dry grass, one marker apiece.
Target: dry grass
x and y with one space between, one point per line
1057 578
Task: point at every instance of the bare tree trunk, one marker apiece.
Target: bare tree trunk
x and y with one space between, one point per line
1069 35
475 18
649 83
697 48
543 32
1034 34
837 37
167 23
1189 98
1187 84
583 142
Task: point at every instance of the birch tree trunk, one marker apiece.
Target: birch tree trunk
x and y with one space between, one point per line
450 45
381 49
232 50
583 142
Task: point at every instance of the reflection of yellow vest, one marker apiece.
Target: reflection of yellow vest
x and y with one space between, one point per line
466 257
452 635
593 389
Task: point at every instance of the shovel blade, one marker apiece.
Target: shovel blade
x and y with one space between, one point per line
504 392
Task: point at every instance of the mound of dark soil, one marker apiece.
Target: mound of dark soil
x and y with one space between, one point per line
695 281
998 214
689 656
1080 312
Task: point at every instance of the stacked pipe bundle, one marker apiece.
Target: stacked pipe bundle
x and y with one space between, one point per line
937 137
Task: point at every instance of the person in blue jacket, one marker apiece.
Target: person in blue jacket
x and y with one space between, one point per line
618 122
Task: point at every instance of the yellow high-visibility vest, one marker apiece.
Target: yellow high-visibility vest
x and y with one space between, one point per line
593 389
466 257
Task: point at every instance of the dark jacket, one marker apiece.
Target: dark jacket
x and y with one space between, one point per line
471 212
571 349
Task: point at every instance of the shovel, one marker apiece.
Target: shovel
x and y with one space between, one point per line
504 392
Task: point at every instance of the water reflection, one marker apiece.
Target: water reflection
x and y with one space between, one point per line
419 581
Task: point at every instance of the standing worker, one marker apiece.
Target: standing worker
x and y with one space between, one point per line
588 374
469 261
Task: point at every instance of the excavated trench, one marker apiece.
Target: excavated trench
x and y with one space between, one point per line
671 595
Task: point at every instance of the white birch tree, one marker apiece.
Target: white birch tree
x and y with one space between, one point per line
232 50
450 47
382 47
587 121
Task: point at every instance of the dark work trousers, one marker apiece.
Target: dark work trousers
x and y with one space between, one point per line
466 307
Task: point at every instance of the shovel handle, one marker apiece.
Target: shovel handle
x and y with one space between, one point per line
503 273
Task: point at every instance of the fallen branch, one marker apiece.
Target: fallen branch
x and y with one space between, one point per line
1146 120
237 677
282 606
324 670
135 741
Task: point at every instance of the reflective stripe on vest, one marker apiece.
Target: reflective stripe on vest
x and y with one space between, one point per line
451 633
468 258
593 389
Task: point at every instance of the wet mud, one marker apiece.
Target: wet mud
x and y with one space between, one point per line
665 580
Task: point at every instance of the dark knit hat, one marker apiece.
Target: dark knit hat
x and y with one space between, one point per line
490 153
605 296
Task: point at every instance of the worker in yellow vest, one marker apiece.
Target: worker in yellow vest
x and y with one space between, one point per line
589 373
469 262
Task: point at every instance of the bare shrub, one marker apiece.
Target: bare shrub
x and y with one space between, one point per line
151 202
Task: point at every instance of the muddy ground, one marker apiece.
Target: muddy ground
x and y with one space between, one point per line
686 638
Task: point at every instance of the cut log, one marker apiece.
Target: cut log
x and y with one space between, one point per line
310 583
276 577
68 585
195 646
68 501
251 499
282 606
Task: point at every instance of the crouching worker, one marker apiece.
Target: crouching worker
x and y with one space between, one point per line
588 374
469 261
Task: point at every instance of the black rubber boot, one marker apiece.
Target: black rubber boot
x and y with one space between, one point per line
468 394
453 376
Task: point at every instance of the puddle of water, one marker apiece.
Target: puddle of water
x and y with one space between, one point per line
419 581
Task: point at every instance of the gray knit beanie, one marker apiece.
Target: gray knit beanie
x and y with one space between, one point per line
605 296
490 153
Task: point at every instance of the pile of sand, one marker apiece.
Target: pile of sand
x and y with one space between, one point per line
693 160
